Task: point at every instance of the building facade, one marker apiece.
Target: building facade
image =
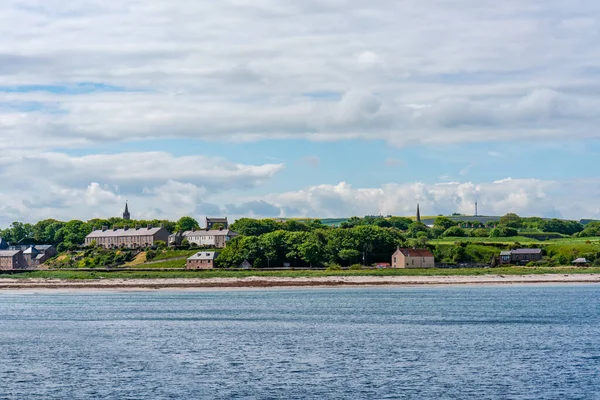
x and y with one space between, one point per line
214 238
413 258
520 256
38 254
127 237
11 260
202 260
211 222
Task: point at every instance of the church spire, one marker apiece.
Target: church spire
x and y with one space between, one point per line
126 214
418 213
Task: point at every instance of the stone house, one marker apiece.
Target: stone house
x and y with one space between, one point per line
213 238
12 259
38 254
127 237
202 260
413 258
211 222
520 256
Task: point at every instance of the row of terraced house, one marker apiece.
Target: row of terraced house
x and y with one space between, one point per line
216 234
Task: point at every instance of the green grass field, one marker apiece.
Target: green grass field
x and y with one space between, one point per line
78 275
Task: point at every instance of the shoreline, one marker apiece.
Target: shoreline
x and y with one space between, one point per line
278 282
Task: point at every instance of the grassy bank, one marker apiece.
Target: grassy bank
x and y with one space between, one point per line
75 275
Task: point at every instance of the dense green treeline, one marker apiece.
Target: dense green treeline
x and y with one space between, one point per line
368 240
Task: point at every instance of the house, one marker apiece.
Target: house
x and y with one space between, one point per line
580 261
214 238
211 222
127 237
202 260
245 265
520 256
3 244
37 254
12 259
413 258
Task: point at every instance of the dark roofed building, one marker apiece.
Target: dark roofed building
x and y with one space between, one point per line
3 244
127 237
211 222
12 259
520 256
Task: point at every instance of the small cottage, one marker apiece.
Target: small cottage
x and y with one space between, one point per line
413 258
202 260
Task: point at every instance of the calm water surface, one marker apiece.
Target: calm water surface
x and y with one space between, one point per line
370 343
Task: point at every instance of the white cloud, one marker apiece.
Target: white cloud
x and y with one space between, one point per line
230 70
531 197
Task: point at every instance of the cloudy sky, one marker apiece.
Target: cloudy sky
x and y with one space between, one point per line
317 108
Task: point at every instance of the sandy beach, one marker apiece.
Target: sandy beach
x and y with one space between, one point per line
266 282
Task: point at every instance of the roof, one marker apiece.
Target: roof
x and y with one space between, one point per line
125 232
527 251
9 253
30 250
506 253
211 232
580 260
43 247
204 255
3 243
416 252
216 219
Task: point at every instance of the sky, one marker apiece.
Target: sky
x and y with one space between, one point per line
313 108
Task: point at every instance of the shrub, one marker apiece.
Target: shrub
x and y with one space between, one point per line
334 267
455 231
356 267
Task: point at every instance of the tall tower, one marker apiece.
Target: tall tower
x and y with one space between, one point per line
418 213
476 209
126 215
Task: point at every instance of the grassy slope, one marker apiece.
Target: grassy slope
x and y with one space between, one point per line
304 273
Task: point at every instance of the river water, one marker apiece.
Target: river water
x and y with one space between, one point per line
505 342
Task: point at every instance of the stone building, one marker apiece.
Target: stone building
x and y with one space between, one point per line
126 215
202 260
127 237
520 256
215 238
12 259
211 222
413 258
38 254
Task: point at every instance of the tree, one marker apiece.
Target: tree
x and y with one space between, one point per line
416 227
187 224
312 250
254 227
511 220
443 222
454 231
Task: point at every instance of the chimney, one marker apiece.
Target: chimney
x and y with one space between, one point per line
137 227
125 227
149 226
104 228
114 228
